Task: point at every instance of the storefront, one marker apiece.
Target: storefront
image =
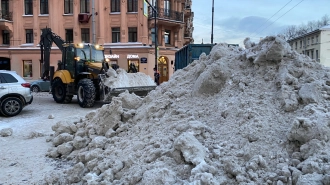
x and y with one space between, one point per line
133 63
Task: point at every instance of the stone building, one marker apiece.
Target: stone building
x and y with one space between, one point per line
126 29
315 44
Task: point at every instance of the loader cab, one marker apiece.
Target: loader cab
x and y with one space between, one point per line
82 59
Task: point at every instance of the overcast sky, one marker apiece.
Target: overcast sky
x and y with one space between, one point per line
234 20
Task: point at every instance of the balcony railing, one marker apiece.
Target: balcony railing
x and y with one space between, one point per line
5 14
166 14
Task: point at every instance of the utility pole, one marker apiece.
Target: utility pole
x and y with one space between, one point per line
212 21
156 36
93 21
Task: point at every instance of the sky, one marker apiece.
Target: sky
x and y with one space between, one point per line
235 20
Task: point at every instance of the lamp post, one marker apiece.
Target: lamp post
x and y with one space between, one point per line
212 21
155 27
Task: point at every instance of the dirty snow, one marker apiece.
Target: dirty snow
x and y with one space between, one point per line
120 78
258 115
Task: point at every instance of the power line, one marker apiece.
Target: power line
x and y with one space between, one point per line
272 15
281 16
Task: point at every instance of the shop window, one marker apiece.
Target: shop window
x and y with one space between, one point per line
27 68
28 7
132 5
132 34
44 7
85 35
133 66
68 6
29 35
115 34
84 6
5 37
115 5
167 36
69 35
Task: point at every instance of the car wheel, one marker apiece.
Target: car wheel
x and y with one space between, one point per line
58 90
11 106
86 93
35 89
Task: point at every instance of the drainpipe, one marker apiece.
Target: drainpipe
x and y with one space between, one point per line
93 21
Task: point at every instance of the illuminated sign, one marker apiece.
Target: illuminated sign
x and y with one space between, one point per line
111 56
132 56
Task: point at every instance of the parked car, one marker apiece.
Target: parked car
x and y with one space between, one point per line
40 85
15 93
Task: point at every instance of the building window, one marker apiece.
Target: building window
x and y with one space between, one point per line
167 7
296 44
43 6
28 7
84 6
312 40
29 35
316 54
115 35
301 44
69 35
85 35
68 6
312 54
27 68
167 37
132 5
317 39
153 35
153 3
5 37
303 52
132 34
307 41
307 53
115 5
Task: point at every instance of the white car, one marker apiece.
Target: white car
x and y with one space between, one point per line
15 93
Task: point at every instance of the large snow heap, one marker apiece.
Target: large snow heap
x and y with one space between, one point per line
258 115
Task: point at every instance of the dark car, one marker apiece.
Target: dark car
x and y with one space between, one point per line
40 85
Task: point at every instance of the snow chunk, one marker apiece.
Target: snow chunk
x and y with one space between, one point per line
192 150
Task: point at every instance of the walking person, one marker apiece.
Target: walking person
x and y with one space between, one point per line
156 75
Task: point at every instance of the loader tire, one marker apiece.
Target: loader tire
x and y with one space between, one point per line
59 91
86 93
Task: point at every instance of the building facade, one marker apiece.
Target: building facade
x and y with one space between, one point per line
315 44
126 29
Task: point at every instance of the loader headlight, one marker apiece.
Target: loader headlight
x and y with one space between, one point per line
81 45
77 58
107 60
97 46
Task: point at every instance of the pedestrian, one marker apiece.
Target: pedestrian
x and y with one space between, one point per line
156 75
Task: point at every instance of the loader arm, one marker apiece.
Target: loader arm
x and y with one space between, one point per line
47 38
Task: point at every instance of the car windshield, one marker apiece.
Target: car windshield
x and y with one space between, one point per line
90 54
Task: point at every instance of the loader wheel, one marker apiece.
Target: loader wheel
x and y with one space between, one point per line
59 91
86 93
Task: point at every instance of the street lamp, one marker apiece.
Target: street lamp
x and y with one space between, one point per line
156 44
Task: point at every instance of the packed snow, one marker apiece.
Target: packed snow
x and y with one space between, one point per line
258 115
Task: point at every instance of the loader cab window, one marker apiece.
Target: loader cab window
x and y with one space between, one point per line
69 61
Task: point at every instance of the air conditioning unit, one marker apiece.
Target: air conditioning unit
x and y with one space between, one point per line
83 18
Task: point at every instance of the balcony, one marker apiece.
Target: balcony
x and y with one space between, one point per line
6 20
167 15
6 15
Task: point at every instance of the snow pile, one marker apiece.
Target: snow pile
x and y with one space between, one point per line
120 78
253 116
